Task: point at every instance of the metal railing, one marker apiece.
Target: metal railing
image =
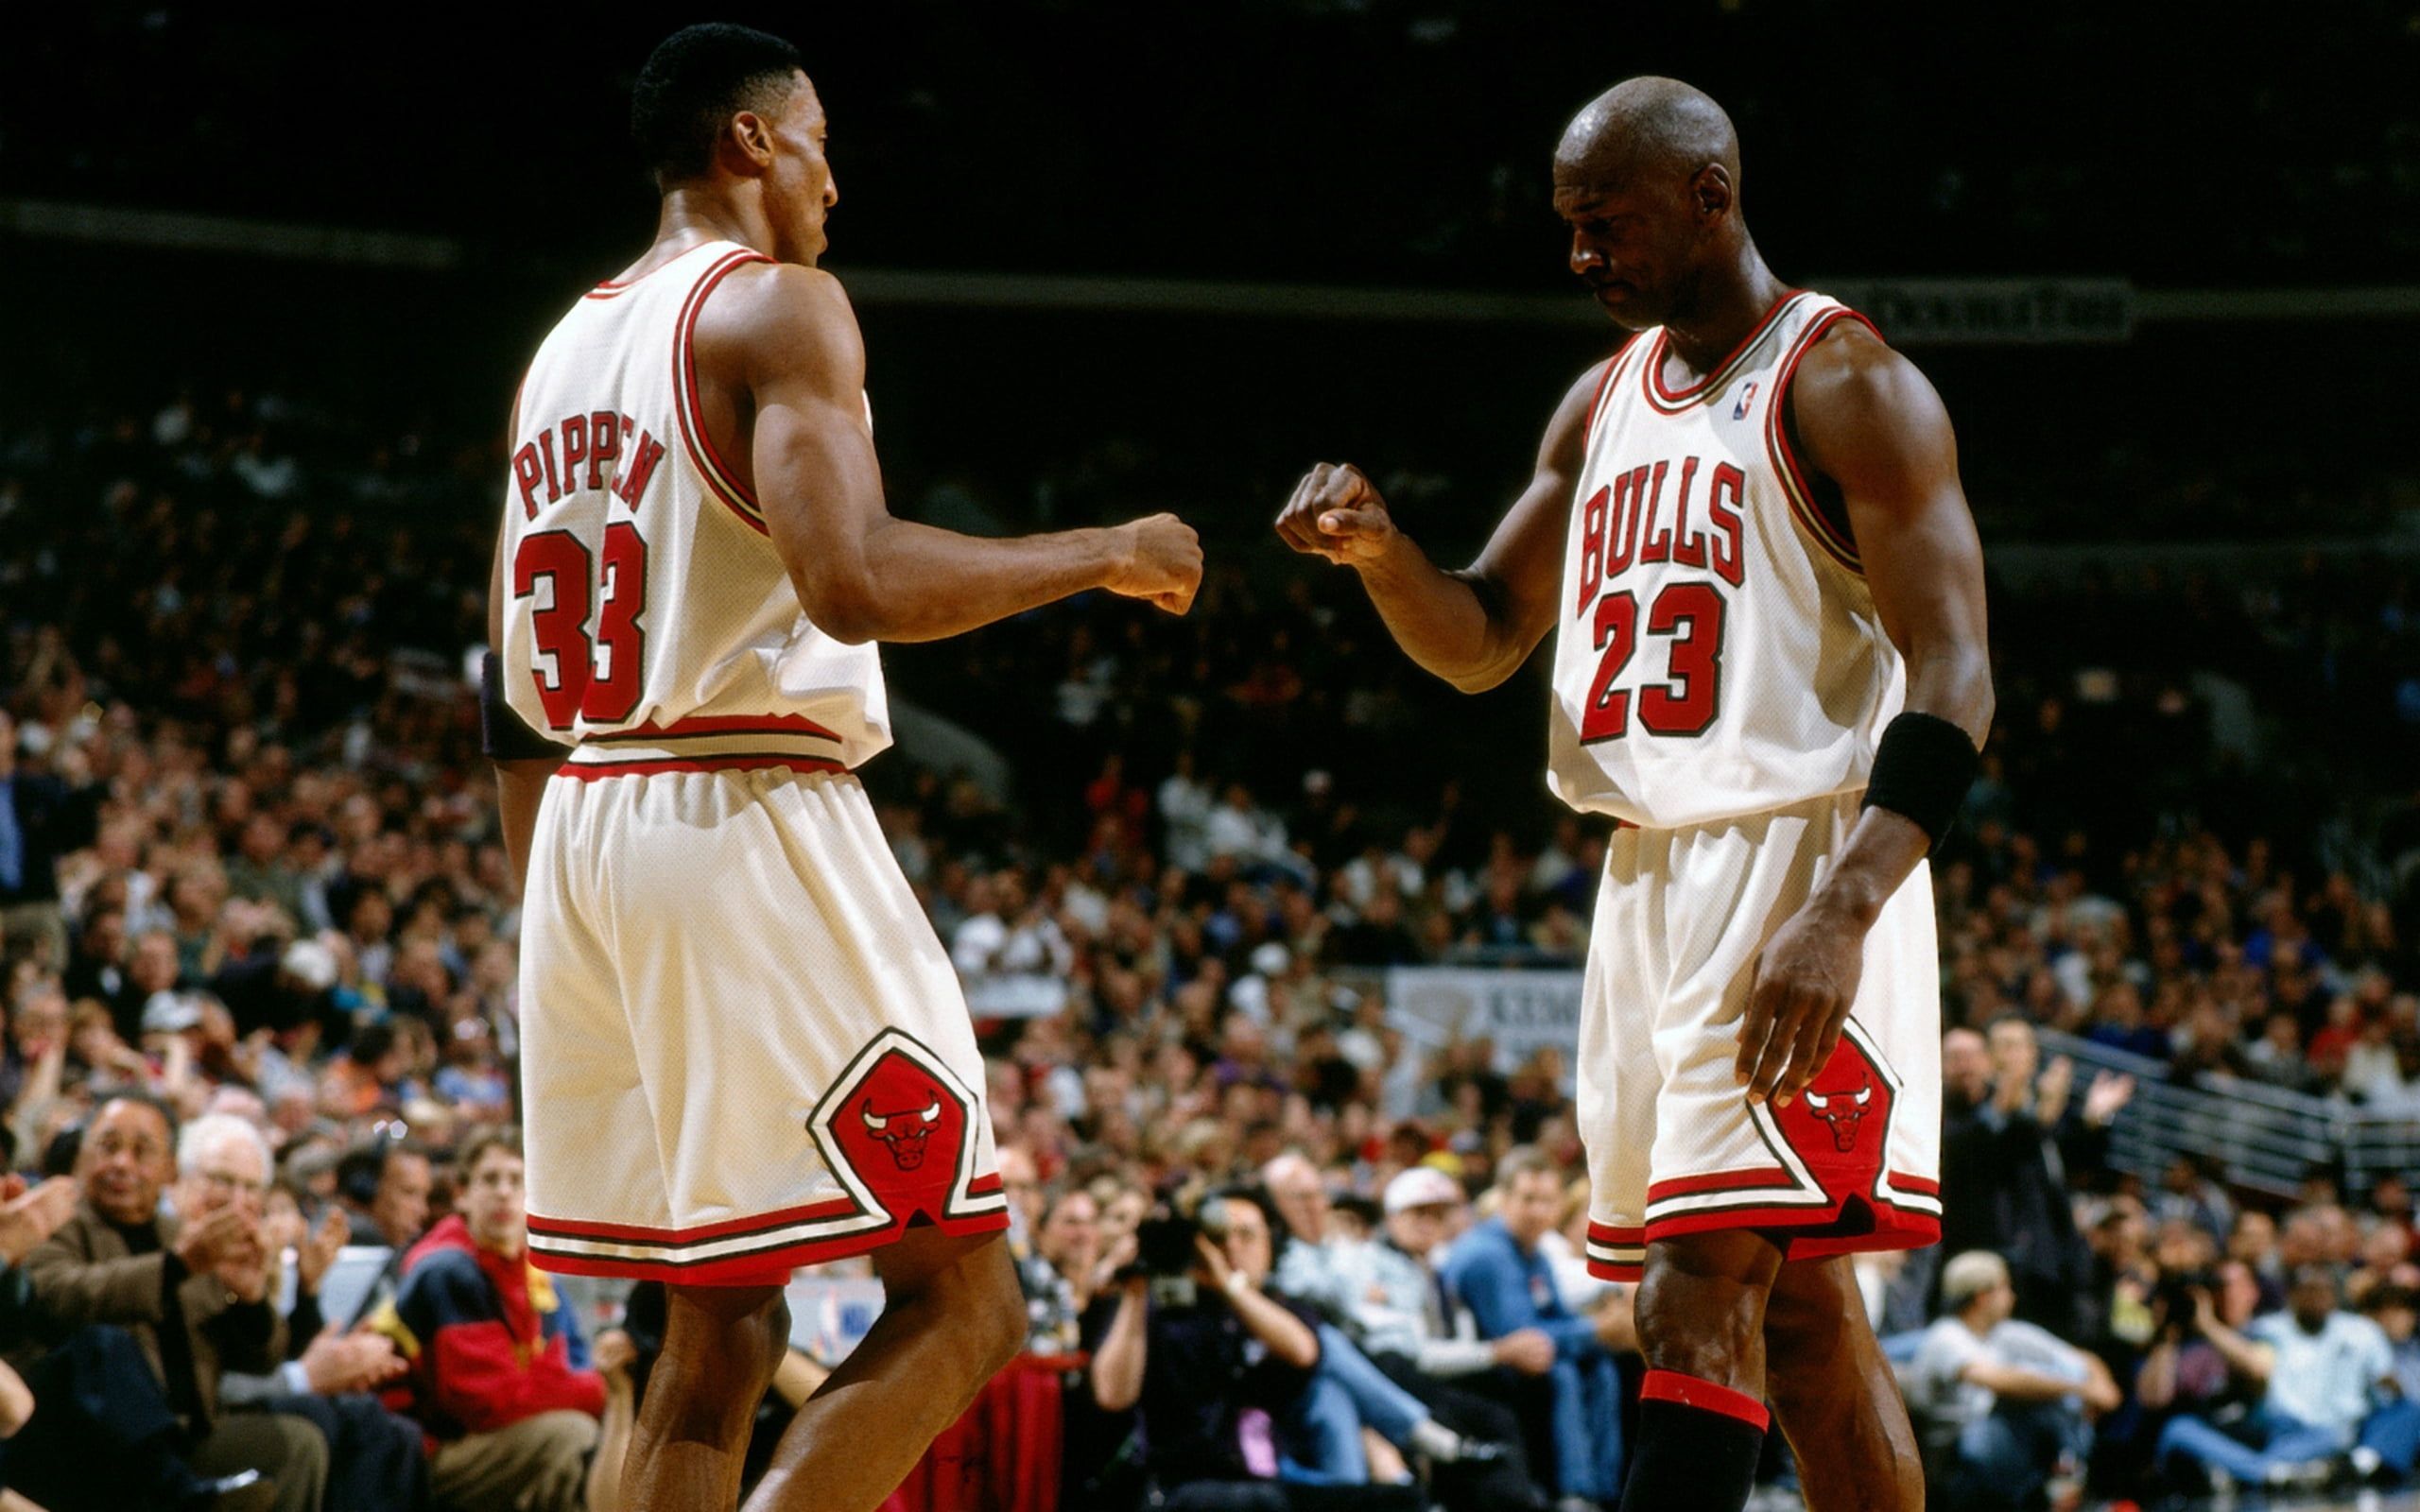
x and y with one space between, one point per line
2262 1138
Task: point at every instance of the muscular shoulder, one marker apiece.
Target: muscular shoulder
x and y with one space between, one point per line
1852 378
1860 406
769 322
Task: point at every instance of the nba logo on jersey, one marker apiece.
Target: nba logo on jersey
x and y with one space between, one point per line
1747 397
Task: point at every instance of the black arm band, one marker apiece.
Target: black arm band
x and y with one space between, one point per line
505 736
1922 771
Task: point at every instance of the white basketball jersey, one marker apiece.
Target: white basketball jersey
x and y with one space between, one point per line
649 622
1716 651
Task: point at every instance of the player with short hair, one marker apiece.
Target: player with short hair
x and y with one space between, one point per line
1748 531
744 1049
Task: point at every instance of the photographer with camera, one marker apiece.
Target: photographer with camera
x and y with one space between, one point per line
1216 1364
2318 1370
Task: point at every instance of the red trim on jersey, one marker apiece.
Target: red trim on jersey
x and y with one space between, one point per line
1785 456
700 1234
1915 1185
1671 401
1706 1396
721 480
1607 1270
767 1267
607 288
592 771
1597 405
1770 1178
723 724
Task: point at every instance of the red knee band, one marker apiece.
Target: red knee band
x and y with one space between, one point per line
1688 1391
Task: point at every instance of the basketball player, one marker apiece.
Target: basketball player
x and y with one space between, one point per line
745 1050
1748 531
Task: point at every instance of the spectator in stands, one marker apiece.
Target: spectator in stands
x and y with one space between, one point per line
1313 1267
1213 1377
2392 1435
1497 1271
2183 1371
382 1187
1308 1263
499 1373
1402 1317
1061 1275
2008 1157
375 1459
193 1296
2011 1404
41 818
2319 1369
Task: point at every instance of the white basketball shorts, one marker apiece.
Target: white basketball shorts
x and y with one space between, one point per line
1674 1148
743 1049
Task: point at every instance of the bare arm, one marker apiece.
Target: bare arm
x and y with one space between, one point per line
1118 1364
2016 1383
1874 426
1287 1337
780 343
1473 628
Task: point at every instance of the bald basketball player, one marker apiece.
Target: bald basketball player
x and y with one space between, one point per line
1747 530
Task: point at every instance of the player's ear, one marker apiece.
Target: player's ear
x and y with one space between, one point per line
1711 191
748 143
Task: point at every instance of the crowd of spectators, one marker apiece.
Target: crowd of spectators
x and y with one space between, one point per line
261 1022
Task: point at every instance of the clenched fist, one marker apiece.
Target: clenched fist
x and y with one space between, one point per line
1336 513
1161 562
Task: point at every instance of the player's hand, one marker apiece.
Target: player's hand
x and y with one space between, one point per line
1161 562
1336 513
1528 1350
1806 983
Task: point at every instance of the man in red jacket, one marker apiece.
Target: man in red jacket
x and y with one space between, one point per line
500 1375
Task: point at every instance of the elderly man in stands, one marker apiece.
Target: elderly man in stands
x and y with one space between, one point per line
2324 1369
1499 1272
2018 1400
192 1294
1308 1265
1404 1317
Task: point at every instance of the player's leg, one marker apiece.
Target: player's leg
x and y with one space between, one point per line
721 1347
1835 1394
1702 1416
952 1316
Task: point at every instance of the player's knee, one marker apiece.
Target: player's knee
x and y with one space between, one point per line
1705 1325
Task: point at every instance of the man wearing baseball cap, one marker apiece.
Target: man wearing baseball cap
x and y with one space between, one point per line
1411 1329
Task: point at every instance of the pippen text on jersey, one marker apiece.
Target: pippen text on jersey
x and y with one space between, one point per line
599 450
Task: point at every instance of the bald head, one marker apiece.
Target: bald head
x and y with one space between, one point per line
1649 127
